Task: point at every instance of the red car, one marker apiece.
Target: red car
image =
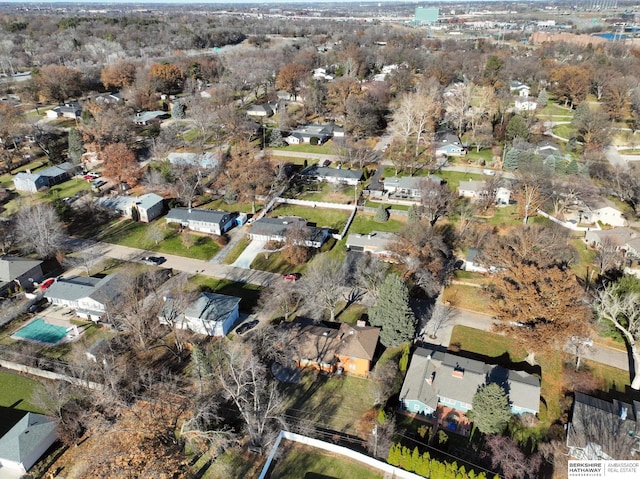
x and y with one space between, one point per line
291 276
45 284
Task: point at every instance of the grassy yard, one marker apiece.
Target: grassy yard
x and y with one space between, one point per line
586 258
221 205
376 204
505 216
339 403
248 293
564 131
364 223
237 250
16 398
136 235
66 189
304 462
275 263
322 217
330 193
477 157
467 297
306 148
453 178
554 110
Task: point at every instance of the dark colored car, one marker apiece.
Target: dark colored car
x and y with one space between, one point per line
291 276
153 260
243 328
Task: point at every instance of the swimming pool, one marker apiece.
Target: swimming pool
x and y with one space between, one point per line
39 330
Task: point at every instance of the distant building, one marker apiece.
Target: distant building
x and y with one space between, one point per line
426 15
211 314
148 206
45 178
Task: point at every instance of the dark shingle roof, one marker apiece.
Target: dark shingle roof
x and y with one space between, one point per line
193 214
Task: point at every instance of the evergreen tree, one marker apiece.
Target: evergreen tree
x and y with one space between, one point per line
517 128
275 138
382 215
178 111
490 411
75 148
511 159
412 215
543 98
572 167
392 313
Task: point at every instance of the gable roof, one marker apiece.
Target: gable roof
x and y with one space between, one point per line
358 341
325 172
280 226
202 215
12 267
208 159
619 235
75 288
598 203
375 239
477 186
23 439
409 182
211 307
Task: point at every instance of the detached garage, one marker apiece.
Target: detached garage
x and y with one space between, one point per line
26 442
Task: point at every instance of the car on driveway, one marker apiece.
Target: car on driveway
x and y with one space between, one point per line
153 260
47 282
244 327
291 276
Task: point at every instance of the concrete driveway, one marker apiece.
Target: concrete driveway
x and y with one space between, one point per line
249 254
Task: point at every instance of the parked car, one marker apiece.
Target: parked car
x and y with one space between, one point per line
47 283
153 260
243 328
291 276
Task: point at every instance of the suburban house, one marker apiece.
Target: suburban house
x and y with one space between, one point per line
202 220
314 134
19 272
603 430
473 263
265 110
26 442
277 229
148 117
332 175
109 98
441 385
89 296
71 110
408 187
632 248
546 148
210 314
448 143
45 178
333 347
519 89
148 207
376 243
604 211
616 237
477 189
206 160
321 74
523 103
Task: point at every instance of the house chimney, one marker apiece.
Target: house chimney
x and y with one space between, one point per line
457 373
360 323
623 413
431 378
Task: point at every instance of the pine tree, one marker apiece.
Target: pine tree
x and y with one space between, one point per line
543 98
382 215
393 314
511 159
275 138
572 167
490 410
75 148
412 215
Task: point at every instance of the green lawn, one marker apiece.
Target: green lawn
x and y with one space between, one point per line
135 235
248 293
305 462
364 223
66 189
453 178
376 204
306 148
231 207
237 250
275 263
485 154
555 111
16 395
339 403
505 215
564 131
467 297
323 217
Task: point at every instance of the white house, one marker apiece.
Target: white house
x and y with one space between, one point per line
202 220
408 187
377 243
604 211
477 189
332 175
519 89
210 314
524 103
26 442
314 133
89 296
277 229
148 206
70 110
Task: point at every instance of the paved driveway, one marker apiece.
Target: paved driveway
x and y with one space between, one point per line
250 252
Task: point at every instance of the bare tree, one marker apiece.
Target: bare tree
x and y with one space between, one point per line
620 308
579 346
323 284
608 255
8 236
384 381
369 274
188 180
39 230
243 380
441 316
436 200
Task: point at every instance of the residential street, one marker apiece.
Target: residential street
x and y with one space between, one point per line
600 354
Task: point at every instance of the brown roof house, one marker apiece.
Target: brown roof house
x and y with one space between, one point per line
333 347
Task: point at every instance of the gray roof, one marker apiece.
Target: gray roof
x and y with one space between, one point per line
280 226
409 182
376 239
75 288
208 159
12 267
52 171
473 185
324 172
20 442
203 215
124 203
212 307
619 235
145 116
459 378
148 201
598 202
472 254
